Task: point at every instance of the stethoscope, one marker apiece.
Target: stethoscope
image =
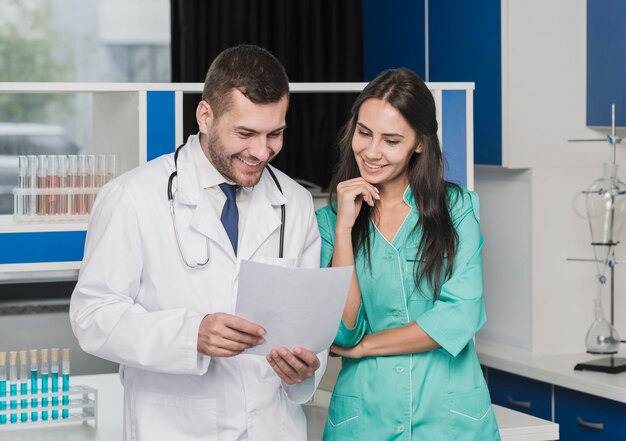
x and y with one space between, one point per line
170 197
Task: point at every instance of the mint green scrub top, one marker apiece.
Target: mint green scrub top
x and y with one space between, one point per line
435 395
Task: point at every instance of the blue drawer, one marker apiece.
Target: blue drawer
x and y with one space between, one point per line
520 393
586 417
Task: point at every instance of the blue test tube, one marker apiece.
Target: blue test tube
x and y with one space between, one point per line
54 377
66 381
34 380
13 384
44 383
3 386
23 386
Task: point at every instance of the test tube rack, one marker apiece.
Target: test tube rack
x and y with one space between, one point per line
59 187
82 407
71 204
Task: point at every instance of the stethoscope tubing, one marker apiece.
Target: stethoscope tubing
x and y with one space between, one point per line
170 198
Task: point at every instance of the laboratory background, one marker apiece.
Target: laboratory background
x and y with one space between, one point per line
531 96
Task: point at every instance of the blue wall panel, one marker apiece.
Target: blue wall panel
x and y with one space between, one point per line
606 61
49 246
465 45
161 123
393 36
454 137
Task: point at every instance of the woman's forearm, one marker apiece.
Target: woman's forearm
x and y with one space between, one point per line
344 256
406 339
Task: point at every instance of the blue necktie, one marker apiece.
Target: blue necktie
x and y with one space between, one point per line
230 214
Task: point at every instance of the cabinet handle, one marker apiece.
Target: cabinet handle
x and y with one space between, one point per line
523 404
595 426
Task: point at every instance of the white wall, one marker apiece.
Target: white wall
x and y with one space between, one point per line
37 331
544 87
506 254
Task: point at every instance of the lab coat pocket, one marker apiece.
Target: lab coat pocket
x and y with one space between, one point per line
157 416
471 415
343 418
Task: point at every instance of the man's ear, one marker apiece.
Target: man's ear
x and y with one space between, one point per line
204 116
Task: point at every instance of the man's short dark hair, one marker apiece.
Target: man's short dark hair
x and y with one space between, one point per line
255 72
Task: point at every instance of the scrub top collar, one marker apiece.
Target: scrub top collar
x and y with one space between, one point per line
408 197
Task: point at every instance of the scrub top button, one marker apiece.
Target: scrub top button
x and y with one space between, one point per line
399 369
400 428
396 313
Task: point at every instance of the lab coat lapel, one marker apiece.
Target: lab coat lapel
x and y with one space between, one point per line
262 218
204 218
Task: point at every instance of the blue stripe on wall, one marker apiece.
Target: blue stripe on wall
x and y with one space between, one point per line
465 45
454 137
161 123
49 246
393 36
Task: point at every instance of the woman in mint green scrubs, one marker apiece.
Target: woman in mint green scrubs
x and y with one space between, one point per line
409 367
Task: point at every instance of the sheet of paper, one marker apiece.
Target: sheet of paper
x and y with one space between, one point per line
296 306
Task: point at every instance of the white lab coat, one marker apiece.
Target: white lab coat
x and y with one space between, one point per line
137 304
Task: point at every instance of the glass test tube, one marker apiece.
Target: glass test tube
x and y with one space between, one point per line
110 168
3 386
21 208
91 180
31 183
44 383
13 384
52 182
101 166
23 386
66 381
72 182
34 379
82 183
42 182
62 173
54 377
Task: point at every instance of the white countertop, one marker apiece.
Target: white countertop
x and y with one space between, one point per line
553 369
514 426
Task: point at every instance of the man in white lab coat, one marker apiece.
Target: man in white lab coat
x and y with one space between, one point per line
145 297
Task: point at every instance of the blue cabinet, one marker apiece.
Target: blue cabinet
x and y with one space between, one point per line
606 61
520 393
587 417
394 36
464 44
456 42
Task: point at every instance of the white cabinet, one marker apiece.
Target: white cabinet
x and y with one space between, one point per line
138 122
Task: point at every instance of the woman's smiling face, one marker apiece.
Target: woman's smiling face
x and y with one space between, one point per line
383 142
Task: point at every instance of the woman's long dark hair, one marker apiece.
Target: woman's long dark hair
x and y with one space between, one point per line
408 94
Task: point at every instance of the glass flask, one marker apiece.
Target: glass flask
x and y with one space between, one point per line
606 207
606 211
602 337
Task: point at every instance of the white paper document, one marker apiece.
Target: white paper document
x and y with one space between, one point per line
295 306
